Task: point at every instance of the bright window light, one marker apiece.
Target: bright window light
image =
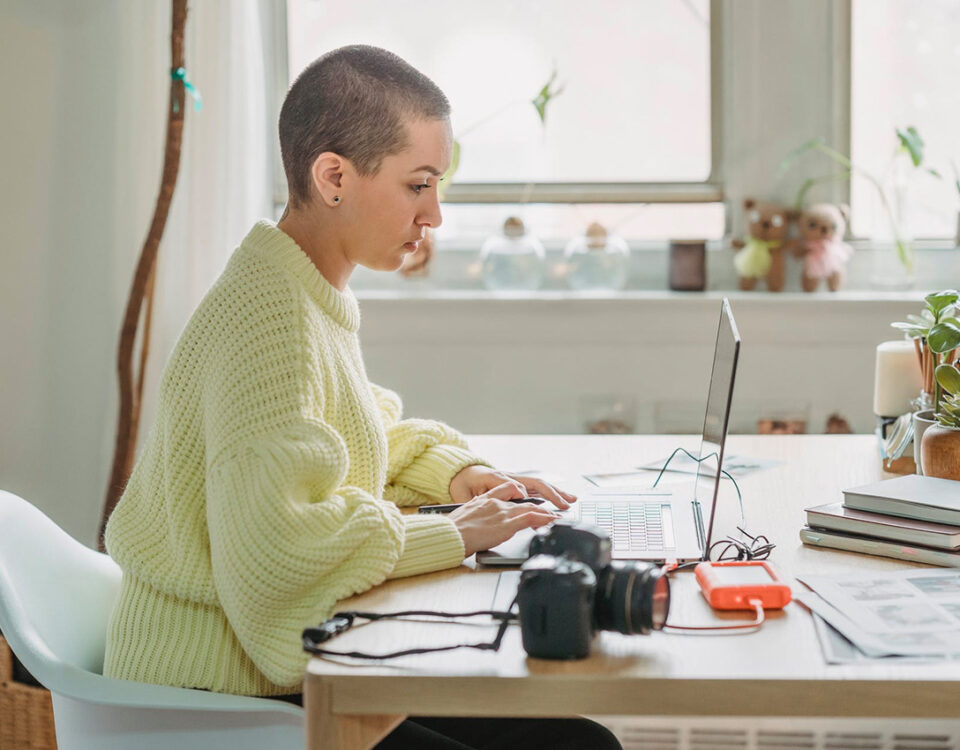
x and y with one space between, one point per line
905 69
636 77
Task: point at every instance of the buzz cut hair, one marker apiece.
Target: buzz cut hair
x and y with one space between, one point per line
353 101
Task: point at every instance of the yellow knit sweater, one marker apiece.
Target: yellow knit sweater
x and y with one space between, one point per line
263 492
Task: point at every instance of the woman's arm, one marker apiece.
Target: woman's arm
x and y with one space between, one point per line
288 540
423 455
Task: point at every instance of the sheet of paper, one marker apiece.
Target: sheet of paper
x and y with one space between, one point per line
837 649
736 466
621 480
907 612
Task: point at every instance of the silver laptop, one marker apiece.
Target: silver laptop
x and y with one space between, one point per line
657 525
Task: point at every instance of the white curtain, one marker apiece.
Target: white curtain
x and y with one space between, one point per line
225 182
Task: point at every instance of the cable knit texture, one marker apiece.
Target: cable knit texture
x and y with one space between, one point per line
263 492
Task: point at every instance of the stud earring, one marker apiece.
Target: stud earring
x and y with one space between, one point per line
336 199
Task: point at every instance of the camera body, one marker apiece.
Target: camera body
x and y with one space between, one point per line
570 588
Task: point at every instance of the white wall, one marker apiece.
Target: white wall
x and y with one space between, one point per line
533 364
72 224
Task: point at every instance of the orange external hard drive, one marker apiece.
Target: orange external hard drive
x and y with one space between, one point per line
732 585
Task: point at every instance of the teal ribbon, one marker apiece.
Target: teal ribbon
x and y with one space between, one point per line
180 74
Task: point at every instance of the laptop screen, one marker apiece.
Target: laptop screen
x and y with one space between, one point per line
717 416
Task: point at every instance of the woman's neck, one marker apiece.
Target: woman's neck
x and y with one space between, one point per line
319 245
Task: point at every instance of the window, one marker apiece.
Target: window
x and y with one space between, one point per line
634 124
905 64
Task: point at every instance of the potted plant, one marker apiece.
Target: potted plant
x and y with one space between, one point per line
940 448
891 189
936 335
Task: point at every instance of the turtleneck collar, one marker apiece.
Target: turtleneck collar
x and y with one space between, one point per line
277 246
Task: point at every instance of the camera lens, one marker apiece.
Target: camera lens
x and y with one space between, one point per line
632 598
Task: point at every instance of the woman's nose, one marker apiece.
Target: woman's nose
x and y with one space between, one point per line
431 217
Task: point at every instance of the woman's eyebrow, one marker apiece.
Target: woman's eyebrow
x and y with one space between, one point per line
427 168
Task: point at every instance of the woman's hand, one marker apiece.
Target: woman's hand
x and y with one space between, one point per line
490 518
475 480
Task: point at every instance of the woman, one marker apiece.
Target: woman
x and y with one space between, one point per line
268 487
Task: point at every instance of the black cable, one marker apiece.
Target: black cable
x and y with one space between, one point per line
343 621
723 472
758 548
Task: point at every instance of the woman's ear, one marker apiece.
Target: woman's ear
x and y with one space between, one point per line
326 173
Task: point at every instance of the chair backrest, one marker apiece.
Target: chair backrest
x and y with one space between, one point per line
56 594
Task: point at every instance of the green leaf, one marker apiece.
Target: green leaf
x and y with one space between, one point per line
935 173
912 143
543 97
447 178
918 326
948 377
912 331
943 337
950 408
948 421
941 300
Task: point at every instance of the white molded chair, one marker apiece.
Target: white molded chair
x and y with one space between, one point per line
55 599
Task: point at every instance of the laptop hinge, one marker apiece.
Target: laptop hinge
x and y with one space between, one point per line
698 525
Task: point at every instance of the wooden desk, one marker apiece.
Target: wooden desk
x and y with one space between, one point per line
778 671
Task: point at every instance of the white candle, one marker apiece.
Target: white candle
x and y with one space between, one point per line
897 381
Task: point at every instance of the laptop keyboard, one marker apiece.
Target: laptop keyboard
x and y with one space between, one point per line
632 526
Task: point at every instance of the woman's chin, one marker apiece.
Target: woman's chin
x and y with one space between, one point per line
388 263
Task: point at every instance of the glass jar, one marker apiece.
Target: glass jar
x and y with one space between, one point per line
597 261
513 261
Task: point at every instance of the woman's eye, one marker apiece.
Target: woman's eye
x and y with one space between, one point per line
418 188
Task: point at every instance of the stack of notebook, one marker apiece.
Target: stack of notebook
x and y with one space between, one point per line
910 517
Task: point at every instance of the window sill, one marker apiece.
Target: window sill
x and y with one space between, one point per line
636 295
455 275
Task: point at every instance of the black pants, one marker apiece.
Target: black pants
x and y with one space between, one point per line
455 733
442 733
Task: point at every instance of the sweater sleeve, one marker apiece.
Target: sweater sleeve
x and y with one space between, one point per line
288 540
423 455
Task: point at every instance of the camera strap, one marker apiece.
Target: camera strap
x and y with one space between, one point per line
341 622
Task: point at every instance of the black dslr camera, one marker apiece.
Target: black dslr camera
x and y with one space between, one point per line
570 588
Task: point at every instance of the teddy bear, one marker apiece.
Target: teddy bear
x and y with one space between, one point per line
761 256
821 245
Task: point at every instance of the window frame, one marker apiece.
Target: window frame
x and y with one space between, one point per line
706 191
744 160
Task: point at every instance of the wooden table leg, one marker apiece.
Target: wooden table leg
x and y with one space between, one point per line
329 731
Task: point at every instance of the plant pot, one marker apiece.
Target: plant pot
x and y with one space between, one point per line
921 421
940 452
